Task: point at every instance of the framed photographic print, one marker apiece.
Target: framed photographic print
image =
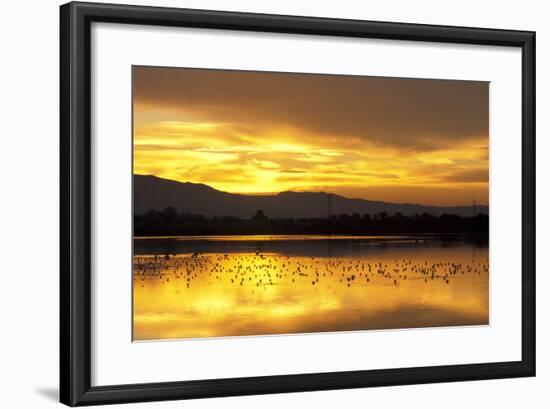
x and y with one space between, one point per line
259 204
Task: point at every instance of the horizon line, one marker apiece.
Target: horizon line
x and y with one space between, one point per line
266 194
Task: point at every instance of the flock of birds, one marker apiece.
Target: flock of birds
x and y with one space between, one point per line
262 270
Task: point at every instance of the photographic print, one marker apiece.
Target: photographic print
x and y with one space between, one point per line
287 203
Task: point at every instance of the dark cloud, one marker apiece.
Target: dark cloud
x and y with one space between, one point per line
468 176
410 114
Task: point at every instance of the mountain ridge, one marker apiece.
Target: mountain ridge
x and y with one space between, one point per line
155 193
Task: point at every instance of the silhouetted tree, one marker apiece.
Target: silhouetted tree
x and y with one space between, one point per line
152 217
169 215
260 215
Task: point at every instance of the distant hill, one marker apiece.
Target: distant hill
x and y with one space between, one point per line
151 192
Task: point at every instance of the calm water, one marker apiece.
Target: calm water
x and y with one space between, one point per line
192 287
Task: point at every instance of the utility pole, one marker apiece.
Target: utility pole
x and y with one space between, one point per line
474 208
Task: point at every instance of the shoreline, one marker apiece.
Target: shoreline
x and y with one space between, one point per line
313 236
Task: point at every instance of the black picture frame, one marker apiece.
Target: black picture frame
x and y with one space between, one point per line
75 203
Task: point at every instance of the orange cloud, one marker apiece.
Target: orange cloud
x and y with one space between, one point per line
385 145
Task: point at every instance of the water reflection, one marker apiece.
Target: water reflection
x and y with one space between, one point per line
196 287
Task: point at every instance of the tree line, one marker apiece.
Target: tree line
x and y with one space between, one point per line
170 222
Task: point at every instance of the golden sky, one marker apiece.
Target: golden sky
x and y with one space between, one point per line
392 139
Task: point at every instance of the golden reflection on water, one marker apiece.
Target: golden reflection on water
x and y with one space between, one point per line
251 293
